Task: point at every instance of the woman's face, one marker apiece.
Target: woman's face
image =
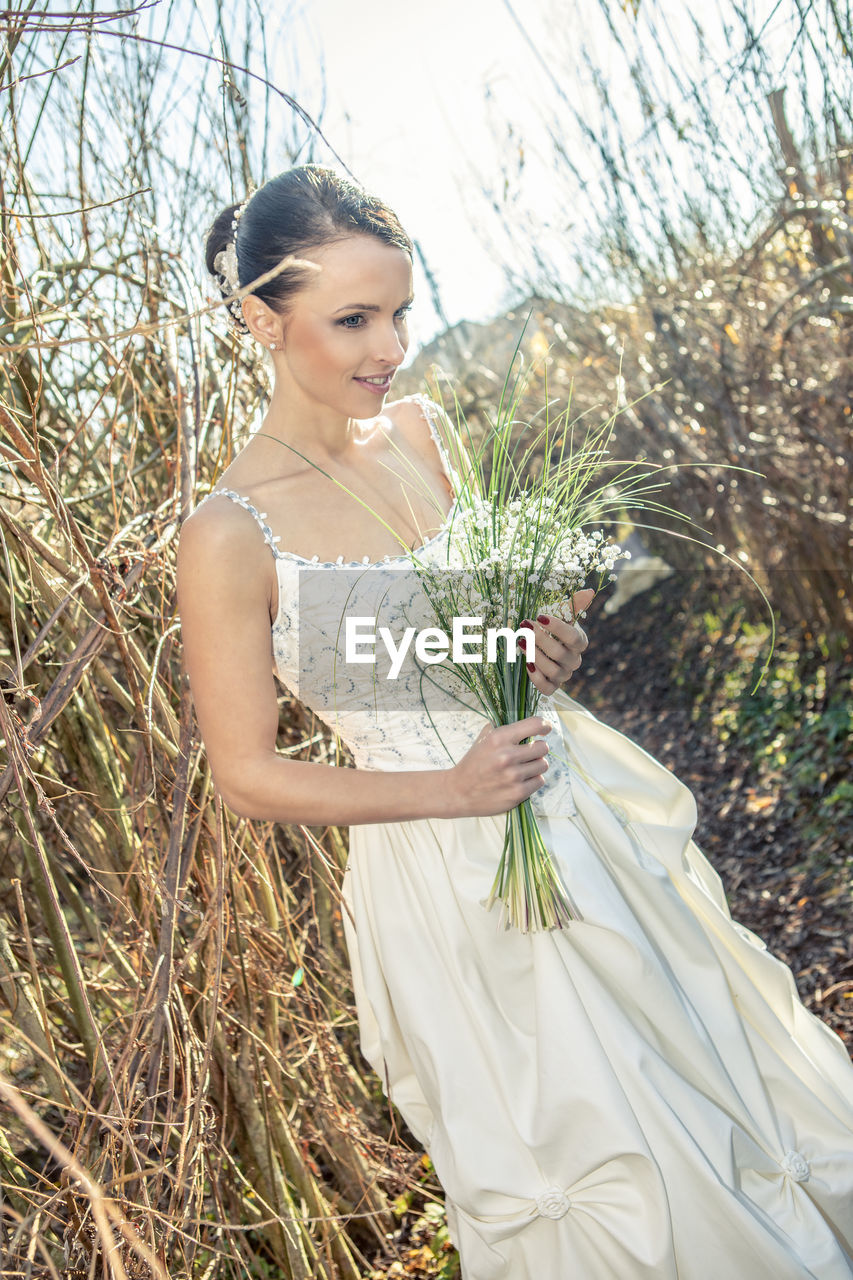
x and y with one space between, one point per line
348 326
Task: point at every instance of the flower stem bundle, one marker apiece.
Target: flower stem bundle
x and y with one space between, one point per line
520 546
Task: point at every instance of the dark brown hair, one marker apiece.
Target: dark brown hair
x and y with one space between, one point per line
299 210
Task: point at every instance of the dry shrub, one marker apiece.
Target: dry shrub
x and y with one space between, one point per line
178 1045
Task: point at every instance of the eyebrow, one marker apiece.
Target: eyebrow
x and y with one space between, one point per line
368 306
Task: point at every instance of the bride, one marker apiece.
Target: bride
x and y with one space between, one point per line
639 1095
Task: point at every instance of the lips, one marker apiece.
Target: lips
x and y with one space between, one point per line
379 386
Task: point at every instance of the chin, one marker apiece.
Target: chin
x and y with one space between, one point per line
370 402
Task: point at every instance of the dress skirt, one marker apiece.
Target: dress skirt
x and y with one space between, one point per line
639 1096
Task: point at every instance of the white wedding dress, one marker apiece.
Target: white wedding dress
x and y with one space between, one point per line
639 1096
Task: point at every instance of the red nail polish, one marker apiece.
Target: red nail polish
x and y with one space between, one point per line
541 618
522 643
531 666
524 623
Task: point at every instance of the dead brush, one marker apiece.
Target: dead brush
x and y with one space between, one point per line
182 1087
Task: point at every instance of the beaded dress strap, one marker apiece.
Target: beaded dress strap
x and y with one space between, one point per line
260 517
430 411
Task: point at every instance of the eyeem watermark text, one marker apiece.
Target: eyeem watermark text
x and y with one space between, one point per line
433 645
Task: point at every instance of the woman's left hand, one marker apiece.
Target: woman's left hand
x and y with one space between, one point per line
559 644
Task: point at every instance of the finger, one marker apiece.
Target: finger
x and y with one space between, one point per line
536 769
581 600
547 675
574 636
533 726
546 666
567 666
536 644
570 634
554 658
533 751
542 684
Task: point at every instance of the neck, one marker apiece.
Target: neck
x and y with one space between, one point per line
317 431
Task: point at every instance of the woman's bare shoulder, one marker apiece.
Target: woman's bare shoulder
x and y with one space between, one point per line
408 416
216 517
417 421
219 531
408 408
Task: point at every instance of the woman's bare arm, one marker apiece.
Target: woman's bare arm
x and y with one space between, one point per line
224 600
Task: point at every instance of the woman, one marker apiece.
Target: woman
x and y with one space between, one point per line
639 1095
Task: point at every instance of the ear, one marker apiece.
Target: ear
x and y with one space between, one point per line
265 325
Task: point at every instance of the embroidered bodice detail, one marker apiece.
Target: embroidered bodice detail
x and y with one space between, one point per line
422 718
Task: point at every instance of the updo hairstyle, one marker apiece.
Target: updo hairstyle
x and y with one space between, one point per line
299 210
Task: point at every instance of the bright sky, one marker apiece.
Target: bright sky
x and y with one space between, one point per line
431 105
416 98
406 109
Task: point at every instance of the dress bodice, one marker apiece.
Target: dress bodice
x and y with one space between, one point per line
396 712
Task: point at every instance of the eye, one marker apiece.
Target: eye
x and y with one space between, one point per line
358 317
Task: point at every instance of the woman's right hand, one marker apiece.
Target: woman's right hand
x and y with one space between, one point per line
499 770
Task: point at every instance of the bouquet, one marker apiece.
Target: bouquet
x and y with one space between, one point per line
519 547
509 561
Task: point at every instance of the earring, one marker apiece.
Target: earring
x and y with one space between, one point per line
272 346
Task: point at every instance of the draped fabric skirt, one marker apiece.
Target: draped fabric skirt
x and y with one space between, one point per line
639 1096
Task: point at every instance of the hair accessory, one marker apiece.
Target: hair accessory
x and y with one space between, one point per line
226 267
225 263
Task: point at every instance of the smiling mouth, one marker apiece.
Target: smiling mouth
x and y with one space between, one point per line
377 384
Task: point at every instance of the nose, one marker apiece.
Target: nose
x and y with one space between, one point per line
392 346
